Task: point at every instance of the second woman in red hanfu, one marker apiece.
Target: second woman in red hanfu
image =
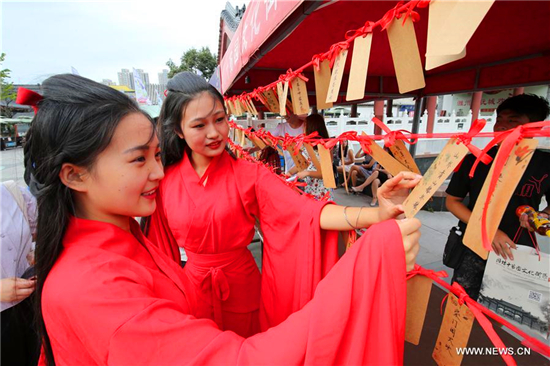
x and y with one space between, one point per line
209 203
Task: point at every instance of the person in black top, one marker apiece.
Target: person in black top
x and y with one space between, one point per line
535 183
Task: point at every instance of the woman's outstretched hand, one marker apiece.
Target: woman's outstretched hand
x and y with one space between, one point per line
393 193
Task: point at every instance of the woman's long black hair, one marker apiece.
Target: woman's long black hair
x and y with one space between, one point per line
74 123
316 123
182 89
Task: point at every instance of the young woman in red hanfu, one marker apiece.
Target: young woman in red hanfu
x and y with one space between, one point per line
209 202
107 296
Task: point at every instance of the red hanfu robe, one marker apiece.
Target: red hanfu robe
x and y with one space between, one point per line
213 218
112 298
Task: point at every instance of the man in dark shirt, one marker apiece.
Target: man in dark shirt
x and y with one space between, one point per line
535 183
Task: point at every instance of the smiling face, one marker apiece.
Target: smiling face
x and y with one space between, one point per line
204 127
124 178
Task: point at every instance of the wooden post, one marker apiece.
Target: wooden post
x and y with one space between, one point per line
416 122
476 104
378 113
518 91
431 106
353 113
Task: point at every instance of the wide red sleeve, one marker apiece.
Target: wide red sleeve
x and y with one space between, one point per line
297 254
357 317
159 233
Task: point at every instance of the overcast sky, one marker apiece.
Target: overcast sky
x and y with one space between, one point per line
99 38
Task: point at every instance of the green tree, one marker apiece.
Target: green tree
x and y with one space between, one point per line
198 61
8 94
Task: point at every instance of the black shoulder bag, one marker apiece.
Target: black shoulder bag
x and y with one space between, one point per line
454 248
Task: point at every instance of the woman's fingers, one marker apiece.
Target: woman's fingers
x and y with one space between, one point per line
403 180
21 294
15 289
411 236
410 256
409 226
21 284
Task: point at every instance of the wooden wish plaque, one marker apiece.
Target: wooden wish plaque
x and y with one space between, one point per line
511 174
454 333
451 155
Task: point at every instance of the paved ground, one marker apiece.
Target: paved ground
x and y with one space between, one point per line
11 165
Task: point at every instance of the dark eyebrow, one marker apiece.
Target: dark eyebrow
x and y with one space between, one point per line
140 147
201 118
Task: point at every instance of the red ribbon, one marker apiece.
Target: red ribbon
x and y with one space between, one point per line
352 136
365 145
28 97
466 139
348 135
398 10
291 75
335 50
367 28
389 16
509 139
391 136
413 14
481 313
418 270
483 321
298 141
317 59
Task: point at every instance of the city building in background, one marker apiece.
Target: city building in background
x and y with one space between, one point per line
163 77
125 78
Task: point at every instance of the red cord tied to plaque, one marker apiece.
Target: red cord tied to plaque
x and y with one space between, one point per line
28 97
335 50
348 135
365 145
266 135
391 136
364 30
242 98
298 141
317 59
291 75
256 93
508 140
399 10
415 4
464 298
466 139
481 312
418 270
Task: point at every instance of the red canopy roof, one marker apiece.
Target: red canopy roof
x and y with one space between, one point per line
511 47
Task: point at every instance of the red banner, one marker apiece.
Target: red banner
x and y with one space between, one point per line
260 20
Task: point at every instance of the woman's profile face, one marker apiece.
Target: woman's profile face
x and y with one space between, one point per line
204 125
126 175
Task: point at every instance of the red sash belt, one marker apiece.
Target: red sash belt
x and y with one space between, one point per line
231 278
